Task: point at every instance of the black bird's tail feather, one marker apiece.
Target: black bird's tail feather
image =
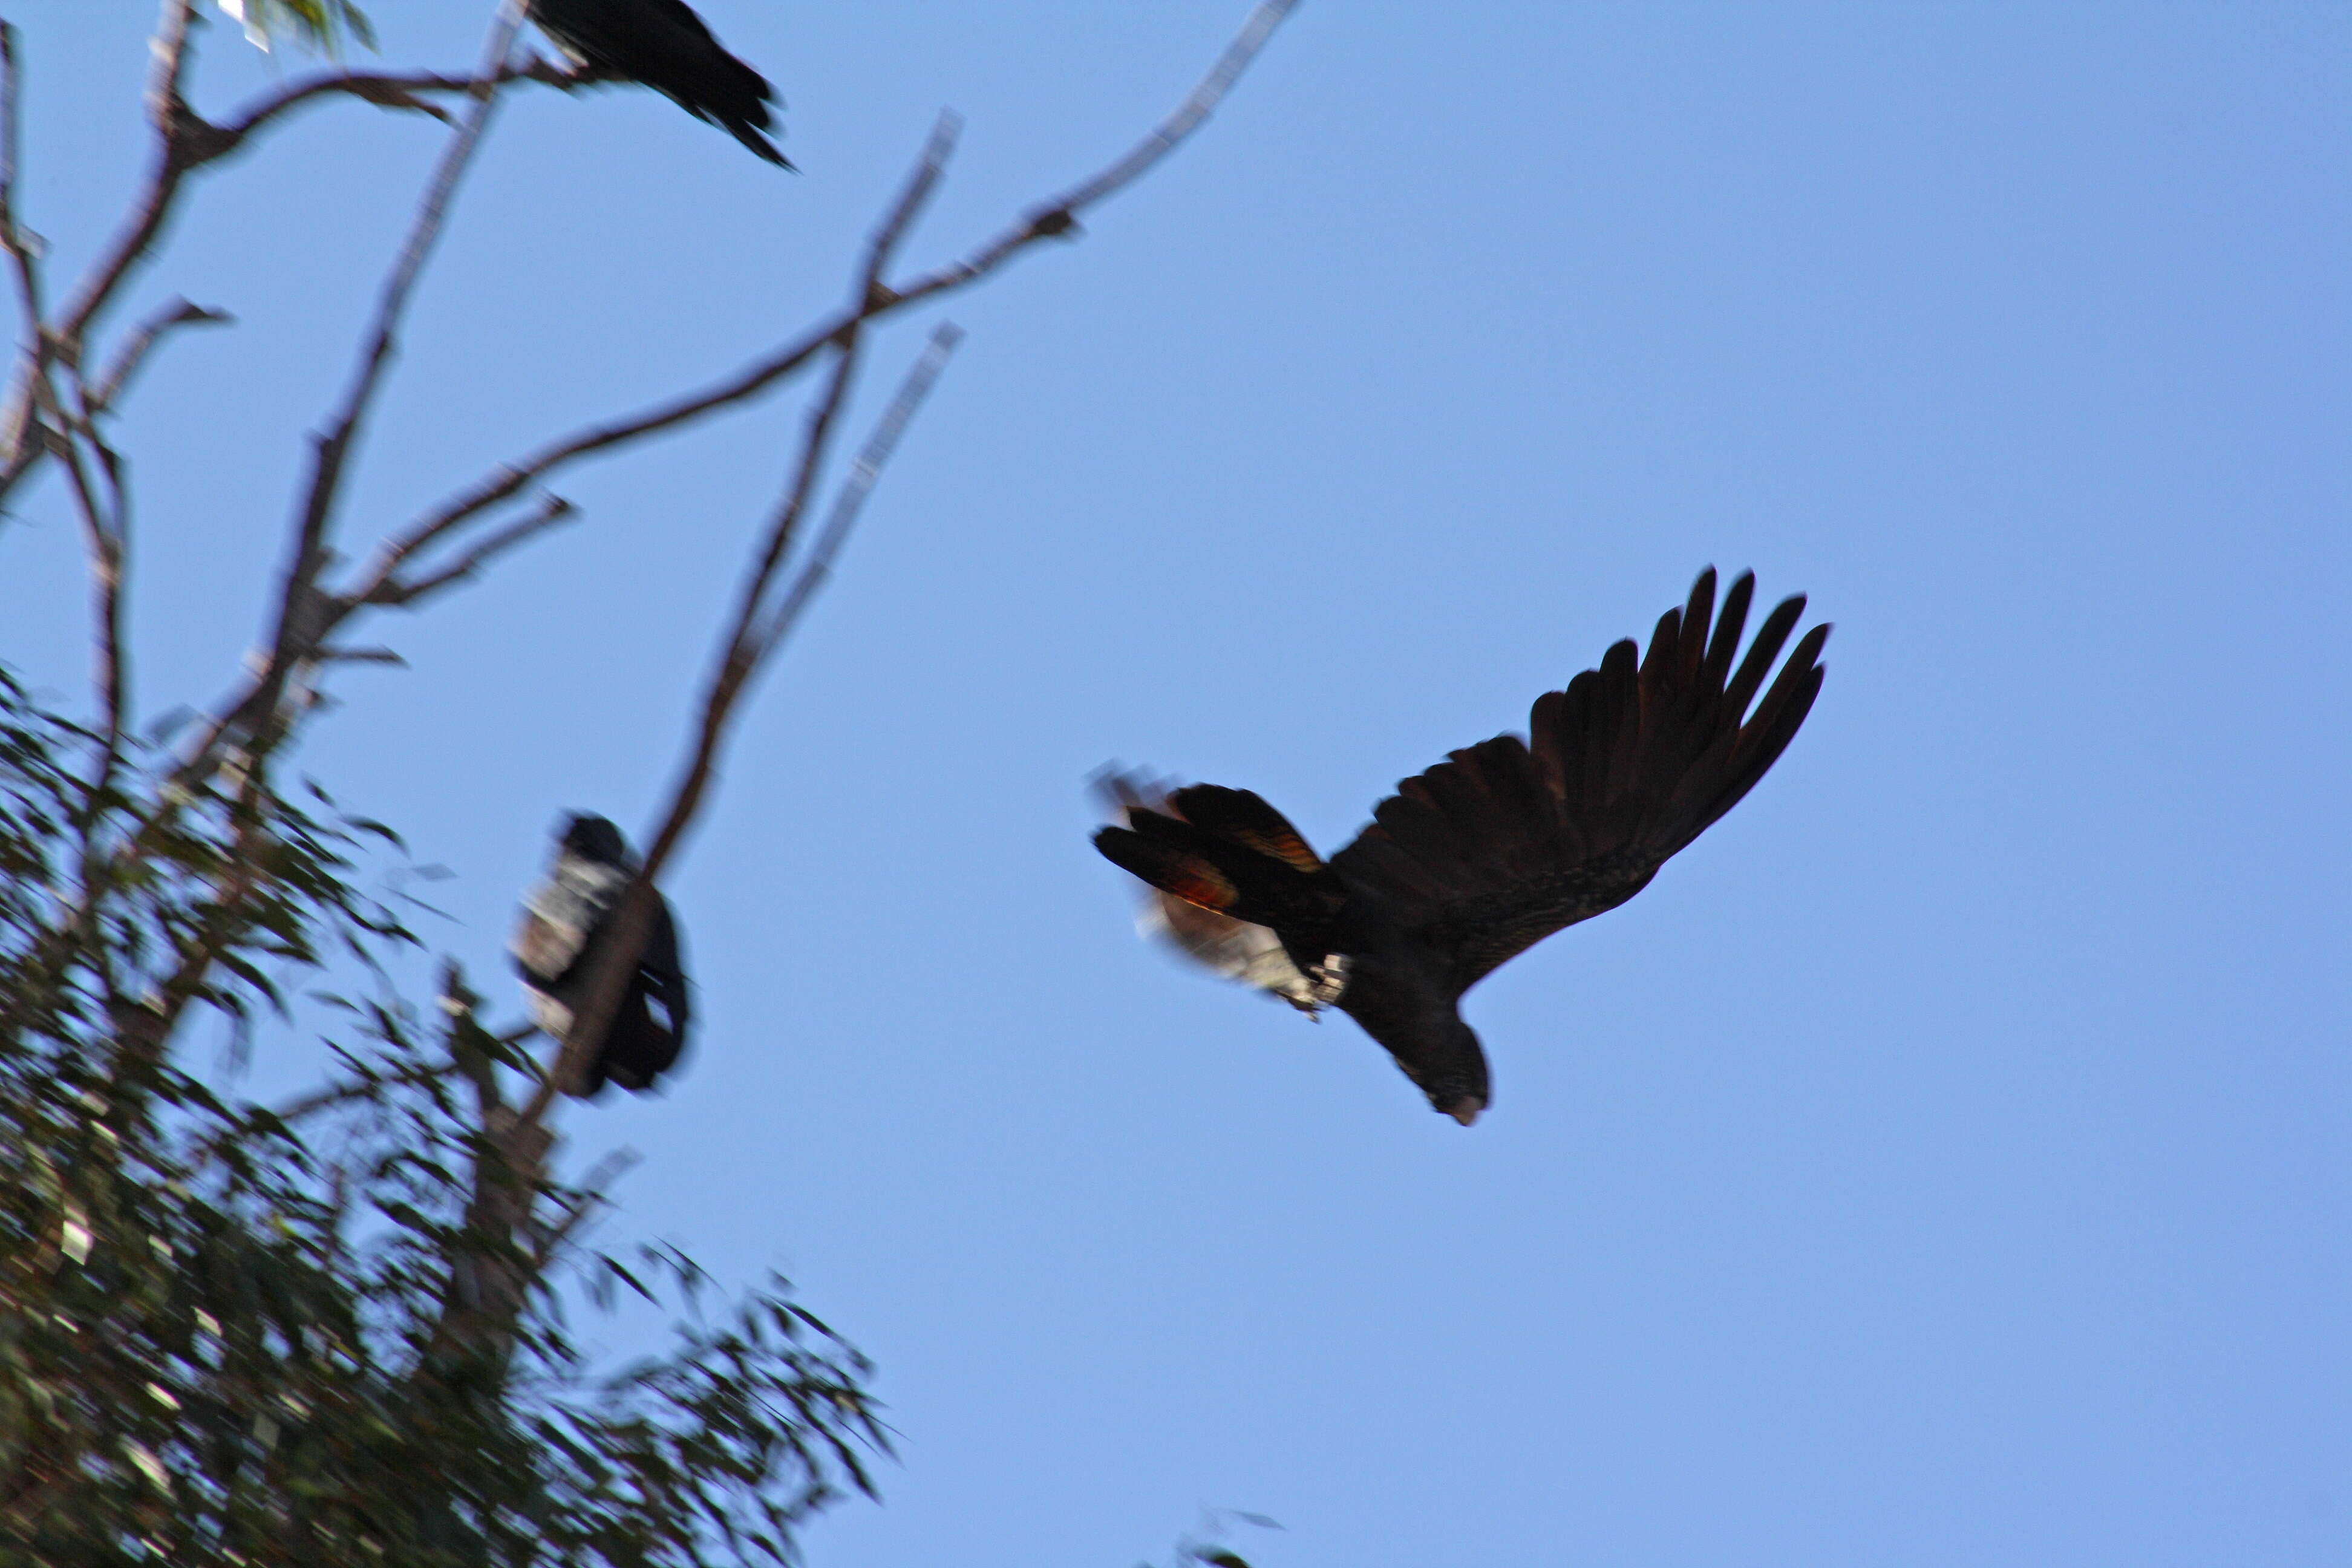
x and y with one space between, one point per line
1228 851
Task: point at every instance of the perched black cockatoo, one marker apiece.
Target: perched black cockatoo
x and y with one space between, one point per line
564 919
1488 852
664 44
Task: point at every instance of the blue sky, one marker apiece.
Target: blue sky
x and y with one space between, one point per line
1944 1162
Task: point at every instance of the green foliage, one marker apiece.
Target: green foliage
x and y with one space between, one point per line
320 24
229 1336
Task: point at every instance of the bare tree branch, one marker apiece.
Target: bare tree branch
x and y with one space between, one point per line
130 357
50 424
28 442
186 142
754 637
817 569
741 648
491 1273
553 510
1197 106
1048 220
171 51
304 614
102 539
308 614
174 122
387 90
593 1188
633 916
23 256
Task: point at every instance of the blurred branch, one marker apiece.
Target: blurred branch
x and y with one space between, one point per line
21 247
306 612
187 142
1052 219
388 590
103 540
491 1270
817 570
633 918
49 425
584 1202
29 441
760 628
304 615
741 651
388 90
310 611
177 131
131 355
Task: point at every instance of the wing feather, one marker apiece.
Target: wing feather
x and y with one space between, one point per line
1507 841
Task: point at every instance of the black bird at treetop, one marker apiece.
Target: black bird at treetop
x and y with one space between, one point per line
664 44
1490 851
564 919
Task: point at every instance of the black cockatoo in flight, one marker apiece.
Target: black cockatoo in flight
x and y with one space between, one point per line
559 937
1488 852
664 44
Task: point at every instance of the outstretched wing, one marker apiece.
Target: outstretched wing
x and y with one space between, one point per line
1507 841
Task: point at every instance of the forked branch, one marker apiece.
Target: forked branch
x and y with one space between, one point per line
1051 219
756 633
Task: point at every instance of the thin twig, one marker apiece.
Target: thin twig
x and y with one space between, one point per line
186 142
633 916
922 181
102 539
130 357
750 641
741 647
22 256
103 535
592 1191
817 569
174 124
27 440
1051 219
1197 106
299 618
553 510
171 51
388 89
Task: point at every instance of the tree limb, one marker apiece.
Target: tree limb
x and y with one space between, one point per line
741 650
185 142
304 615
633 918
23 256
130 357
387 90
817 569
174 127
394 591
1051 219
1048 220
307 613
